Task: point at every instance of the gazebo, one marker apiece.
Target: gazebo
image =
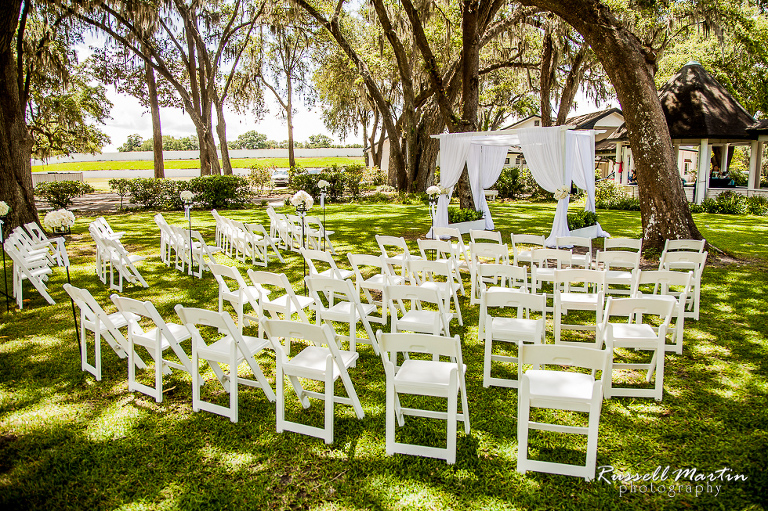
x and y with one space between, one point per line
704 116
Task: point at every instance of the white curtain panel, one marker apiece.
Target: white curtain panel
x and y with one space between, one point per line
543 151
485 163
580 155
454 148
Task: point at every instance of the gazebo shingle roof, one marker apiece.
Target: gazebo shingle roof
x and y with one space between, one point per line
697 106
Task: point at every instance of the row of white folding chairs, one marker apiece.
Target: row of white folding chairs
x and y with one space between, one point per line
175 243
322 360
295 233
31 262
112 257
244 240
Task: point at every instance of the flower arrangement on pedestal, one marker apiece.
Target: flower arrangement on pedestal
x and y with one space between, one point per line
561 193
59 220
4 208
186 196
302 201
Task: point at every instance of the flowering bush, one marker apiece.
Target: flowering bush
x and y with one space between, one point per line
4 208
59 219
561 193
302 198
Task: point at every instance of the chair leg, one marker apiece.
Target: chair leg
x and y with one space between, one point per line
233 386
523 417
329 399
451 420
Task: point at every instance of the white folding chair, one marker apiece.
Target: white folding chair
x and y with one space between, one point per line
633 333
165 238
589 296
295 231
442 379
377 282
544 262
239 294
513 330
480 254
687 261
287 303
495 277
416 318
264 239
672 285
345 307
321 361
124 263
450 234
440 276
156 341
278 228
522 255
627 244
201 250
103 326
618 266
316 233
684 245
58 251
395 252
231 349
560 390
439 250
580 260
483 236
319 256
31 267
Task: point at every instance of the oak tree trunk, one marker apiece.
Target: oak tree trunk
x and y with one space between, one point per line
663 206
289 119
221 131
157 134
15 141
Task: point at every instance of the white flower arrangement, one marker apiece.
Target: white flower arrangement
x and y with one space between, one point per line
186 196
59 219
561 193
4 208
434 190
302 197
323 184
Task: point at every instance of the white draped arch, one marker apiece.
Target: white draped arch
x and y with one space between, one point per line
555 156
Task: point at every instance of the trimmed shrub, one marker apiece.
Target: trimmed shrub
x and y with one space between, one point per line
510 185
353 176
757 205
122 187
148 192
456 215
220 191
59 194
261 176
373 176
610 195
580 219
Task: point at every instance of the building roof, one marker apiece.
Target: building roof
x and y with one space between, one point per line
589 121
759 127
697 106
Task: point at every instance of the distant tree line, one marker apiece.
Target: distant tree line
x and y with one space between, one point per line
248 140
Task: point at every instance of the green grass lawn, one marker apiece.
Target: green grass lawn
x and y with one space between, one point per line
70 442
191 164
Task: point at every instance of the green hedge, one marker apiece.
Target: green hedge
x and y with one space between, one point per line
59 194
580 219
610 195
456 215
209 191
731 203
342 180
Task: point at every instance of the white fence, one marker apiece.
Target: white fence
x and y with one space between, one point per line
353 152
42 177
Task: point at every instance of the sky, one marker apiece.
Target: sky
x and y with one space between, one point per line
129 117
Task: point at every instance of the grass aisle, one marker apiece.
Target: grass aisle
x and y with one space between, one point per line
69 442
